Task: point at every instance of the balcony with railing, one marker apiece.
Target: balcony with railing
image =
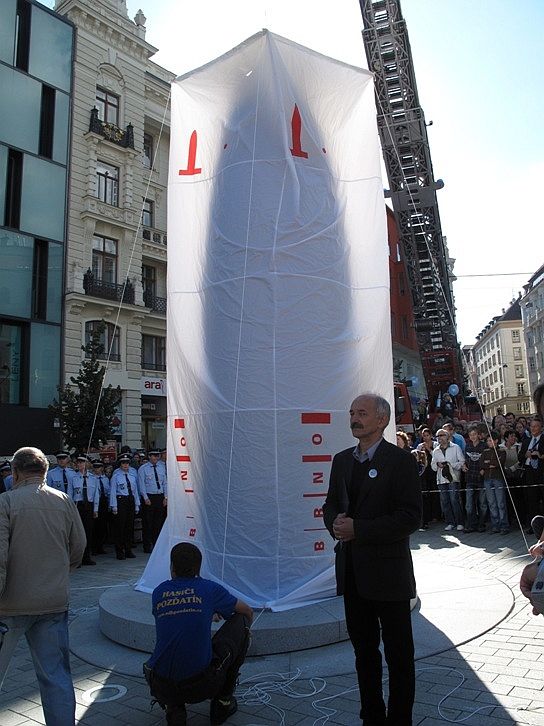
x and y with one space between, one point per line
154 302
149 365
111 132
108 290
154 235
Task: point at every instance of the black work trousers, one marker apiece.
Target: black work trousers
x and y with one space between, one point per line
218 680
366 620
123 524
101 525
85 510
153 516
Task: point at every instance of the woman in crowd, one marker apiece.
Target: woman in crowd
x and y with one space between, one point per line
403 441
431 501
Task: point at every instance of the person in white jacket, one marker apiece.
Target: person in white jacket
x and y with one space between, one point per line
447 461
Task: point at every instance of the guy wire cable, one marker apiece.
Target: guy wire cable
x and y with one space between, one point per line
110 348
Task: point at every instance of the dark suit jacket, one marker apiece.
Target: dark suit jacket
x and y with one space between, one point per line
386 512
537 474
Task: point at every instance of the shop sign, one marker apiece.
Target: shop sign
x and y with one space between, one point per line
154 386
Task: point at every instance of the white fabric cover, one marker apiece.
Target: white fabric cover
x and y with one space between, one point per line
278 307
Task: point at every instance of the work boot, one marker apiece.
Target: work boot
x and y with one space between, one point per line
221 709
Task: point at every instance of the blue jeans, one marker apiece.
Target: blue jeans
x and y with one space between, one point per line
47 638
476 495
450 502
495 491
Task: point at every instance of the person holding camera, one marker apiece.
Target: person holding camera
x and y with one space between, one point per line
448 461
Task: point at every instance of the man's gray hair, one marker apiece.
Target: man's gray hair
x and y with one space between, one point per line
29 460
383 408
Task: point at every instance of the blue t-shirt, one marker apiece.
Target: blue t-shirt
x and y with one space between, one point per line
183 609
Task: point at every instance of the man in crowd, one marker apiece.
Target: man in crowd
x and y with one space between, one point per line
476 502
152 488
447 461
531 457
372 506
62 474
188 665
41 540
6 480
454 437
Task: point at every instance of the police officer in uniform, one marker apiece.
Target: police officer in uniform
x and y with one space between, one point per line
61 475
84 491
100 532
152 487
5 477
124 502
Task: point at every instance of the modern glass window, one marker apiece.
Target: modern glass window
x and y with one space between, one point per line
22 35
62 125
54 283
8 14
50 56
21 101
39 279
108 106
110 338
11 363
148 151
107 183
44 366
47 121
147 213
43 198
3 179
154 352
105 259
16 256
14 181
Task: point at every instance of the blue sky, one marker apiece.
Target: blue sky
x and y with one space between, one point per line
479 69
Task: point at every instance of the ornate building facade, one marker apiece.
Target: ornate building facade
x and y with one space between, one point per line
116 254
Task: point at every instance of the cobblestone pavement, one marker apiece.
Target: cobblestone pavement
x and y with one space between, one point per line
494 680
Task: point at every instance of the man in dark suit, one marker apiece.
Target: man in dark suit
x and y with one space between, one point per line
531 458
372 506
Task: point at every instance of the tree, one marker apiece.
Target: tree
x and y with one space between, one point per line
85 408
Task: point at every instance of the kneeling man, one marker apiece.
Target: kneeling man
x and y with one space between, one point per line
188 665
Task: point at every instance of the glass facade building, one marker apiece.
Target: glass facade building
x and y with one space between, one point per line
36 60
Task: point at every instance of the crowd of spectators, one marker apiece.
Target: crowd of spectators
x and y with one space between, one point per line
480 475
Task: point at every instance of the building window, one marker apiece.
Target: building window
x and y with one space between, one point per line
22 35
105 259
495 377
519 371
531 363
404 323
149 280
499 357
11 363
148 213
521 389
515 336
148 151
107 183
108 106
154 352
517 353
47 121
494 360
39 279
110 338
12 209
